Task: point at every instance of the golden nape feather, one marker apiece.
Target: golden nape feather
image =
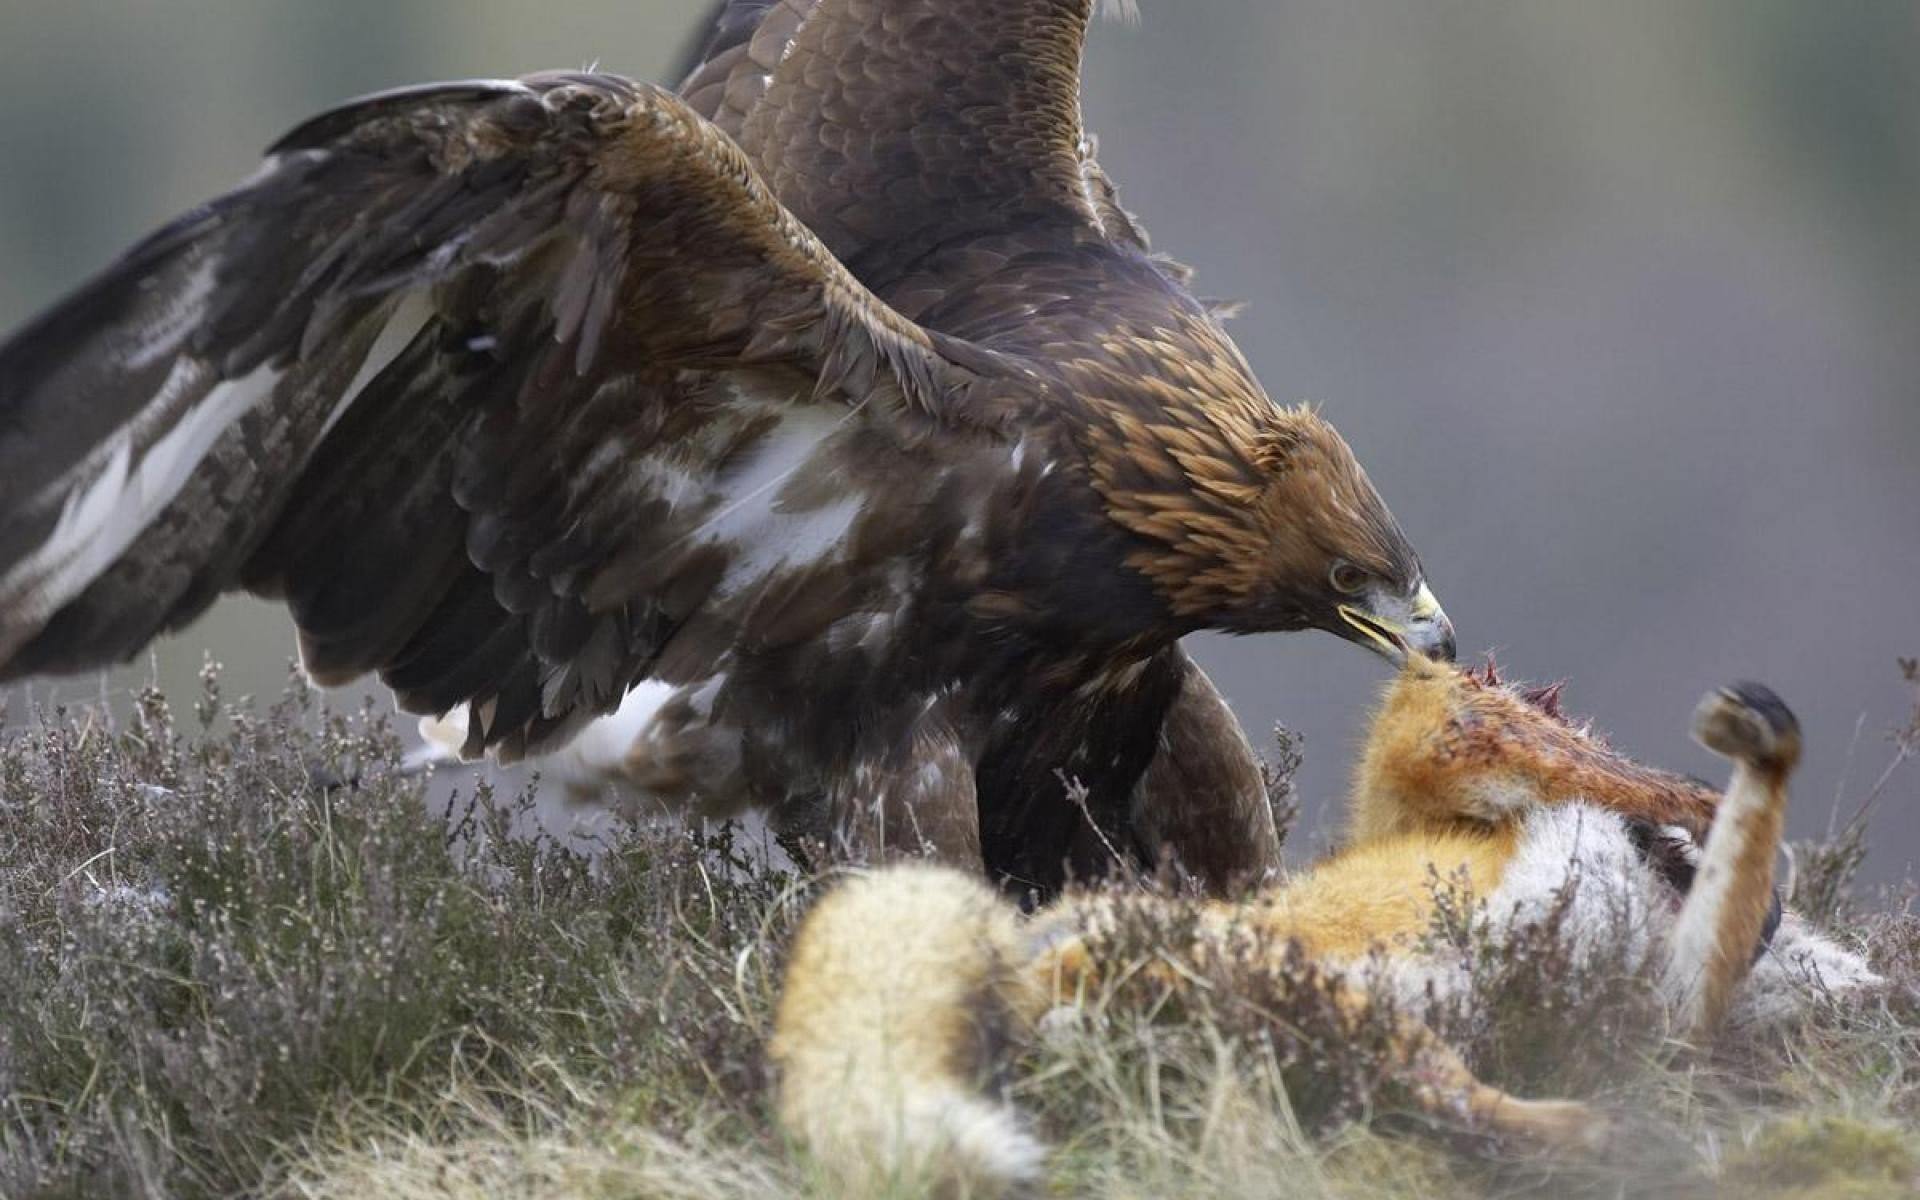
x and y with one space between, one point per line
910 989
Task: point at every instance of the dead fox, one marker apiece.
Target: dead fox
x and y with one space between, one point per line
907 986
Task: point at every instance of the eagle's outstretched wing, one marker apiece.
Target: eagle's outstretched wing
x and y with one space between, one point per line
892 125
476 376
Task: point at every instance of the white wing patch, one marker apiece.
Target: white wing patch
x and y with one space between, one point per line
765 536
111 498
162 337
102 516
408 318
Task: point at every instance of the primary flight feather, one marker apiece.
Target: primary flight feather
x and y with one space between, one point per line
835 397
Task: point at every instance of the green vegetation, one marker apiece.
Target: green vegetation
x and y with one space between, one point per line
242 959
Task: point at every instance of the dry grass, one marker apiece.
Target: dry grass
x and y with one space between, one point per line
241 960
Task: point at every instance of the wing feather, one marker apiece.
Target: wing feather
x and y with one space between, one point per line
896 124
464 374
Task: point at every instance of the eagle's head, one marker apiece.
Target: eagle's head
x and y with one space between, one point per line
1249 517
1322 550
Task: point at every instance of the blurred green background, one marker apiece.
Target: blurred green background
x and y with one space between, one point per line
1620 303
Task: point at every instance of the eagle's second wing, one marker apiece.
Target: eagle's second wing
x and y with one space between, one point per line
890 126
484 379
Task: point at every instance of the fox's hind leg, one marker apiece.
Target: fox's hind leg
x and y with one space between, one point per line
1442 1086
1083 960
1713 940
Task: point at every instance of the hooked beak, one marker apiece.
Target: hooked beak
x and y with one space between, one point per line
1396 626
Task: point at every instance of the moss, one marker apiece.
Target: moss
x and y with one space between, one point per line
1826 1156
1368 1165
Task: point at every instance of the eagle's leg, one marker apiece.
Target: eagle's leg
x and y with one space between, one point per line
912 812
917 799
1145 764
1201 807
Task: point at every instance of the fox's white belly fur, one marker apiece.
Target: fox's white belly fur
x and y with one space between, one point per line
1614 908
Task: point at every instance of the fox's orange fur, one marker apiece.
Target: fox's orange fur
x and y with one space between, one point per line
903 981
1450 749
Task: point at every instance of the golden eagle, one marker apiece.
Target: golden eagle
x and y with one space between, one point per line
835 398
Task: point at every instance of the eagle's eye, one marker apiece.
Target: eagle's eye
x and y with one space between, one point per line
1346 578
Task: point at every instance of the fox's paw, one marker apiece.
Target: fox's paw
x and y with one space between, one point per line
1746 721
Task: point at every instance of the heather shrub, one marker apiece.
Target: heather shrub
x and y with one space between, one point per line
226 942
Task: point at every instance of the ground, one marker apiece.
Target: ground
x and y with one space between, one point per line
243 957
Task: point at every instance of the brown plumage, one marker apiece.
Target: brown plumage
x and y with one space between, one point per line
837 397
